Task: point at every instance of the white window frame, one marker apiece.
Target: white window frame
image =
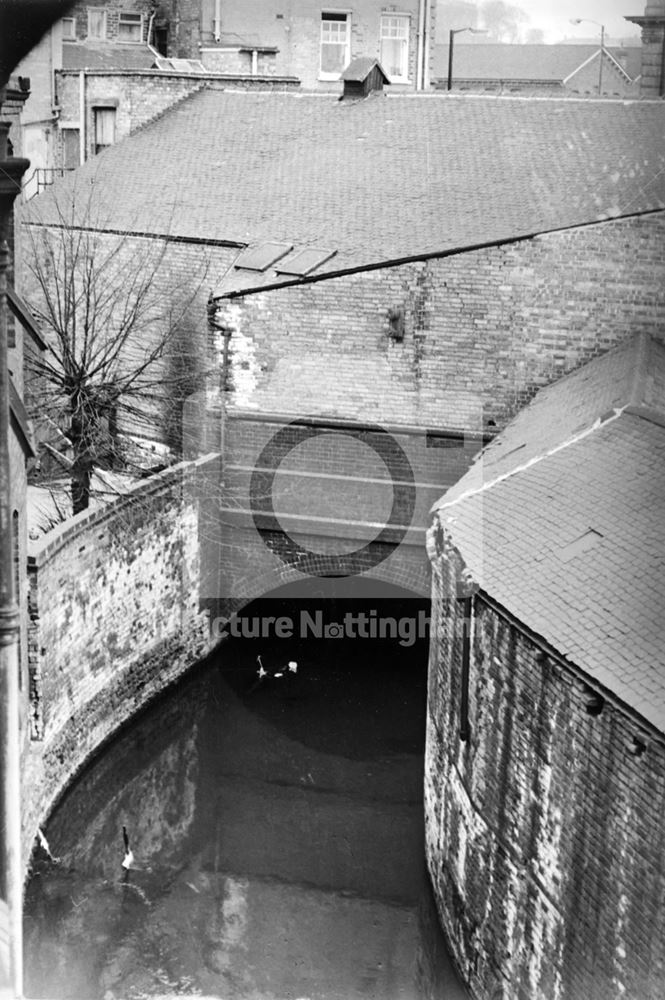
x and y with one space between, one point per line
122 20
337 19
388 24
102 36
68 22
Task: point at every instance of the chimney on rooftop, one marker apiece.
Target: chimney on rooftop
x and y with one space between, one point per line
362 77
652 22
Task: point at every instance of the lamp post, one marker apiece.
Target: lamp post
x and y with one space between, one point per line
586 20
451 42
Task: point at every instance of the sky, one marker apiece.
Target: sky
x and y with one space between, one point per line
553 17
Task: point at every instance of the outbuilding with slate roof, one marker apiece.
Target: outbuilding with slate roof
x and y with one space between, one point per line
546 731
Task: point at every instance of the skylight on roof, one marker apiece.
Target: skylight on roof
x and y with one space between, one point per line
181 65
261 257
304 261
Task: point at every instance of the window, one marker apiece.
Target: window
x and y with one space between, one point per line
69 29
335 49
96 23
104 124
395 46
71 148
130 27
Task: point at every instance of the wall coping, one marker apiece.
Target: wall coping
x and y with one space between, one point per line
160 74
40 551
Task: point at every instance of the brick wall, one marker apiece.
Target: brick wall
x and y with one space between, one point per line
113 9
544 835
295 29
115 618
483 330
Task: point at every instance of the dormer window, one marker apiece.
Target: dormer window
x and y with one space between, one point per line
130 27
335 44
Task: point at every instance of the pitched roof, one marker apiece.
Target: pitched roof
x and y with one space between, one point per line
561 520
541 63
360 68
104 55
379 180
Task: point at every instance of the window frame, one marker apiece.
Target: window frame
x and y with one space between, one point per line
406 19
338 17
101 37
97 111
133 14
68 37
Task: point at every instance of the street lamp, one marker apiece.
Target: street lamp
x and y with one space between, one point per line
451 41
586 20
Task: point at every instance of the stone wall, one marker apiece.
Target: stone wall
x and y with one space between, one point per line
484 330
544 834
114 619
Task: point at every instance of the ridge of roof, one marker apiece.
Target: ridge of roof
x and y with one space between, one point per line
516 470
628 379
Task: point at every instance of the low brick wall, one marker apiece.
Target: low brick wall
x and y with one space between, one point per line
544 834
115 618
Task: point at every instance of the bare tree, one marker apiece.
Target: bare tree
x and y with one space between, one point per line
124 351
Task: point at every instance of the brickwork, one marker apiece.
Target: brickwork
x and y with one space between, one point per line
543 833
297 33
653 39
483 330
115 618
113 9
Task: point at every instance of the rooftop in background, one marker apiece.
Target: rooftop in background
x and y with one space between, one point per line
377 180
528 63
561 520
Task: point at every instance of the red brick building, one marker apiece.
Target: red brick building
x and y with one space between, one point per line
545 782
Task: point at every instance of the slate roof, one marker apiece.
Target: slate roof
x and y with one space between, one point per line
103 55
375 180
541 63
562 520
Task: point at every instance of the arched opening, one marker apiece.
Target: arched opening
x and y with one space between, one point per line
275 823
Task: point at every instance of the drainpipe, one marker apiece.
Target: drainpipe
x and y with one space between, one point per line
217 22
421 45
82 118
11 881
152 18
255 62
